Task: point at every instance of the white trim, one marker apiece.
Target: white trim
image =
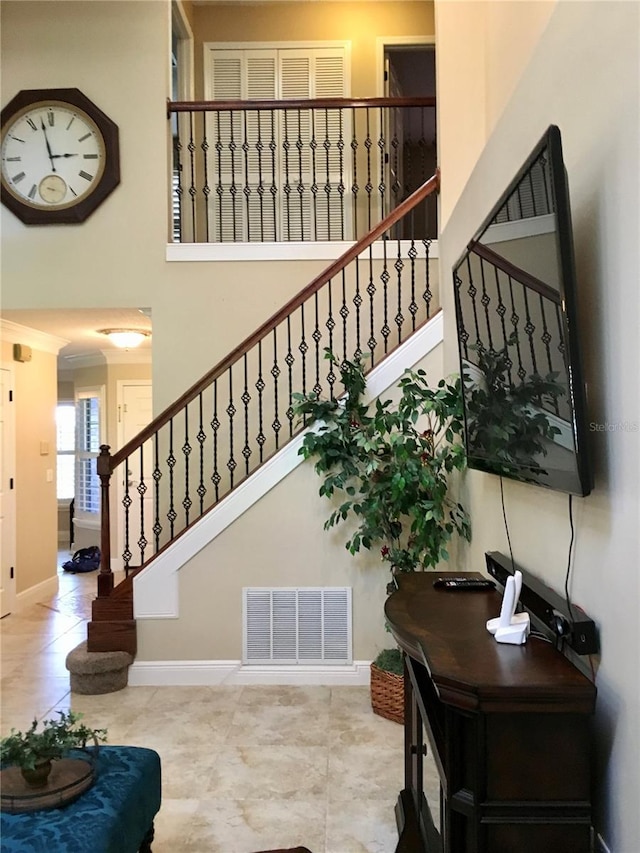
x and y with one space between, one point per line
156 589
14 333
35 594
180 23
231 672
290 251
394 41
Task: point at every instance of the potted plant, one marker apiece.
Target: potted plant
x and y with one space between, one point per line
33 751
390 465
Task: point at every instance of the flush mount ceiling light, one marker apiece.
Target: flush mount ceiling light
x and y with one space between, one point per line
125 338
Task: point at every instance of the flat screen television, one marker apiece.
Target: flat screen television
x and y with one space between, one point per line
515 296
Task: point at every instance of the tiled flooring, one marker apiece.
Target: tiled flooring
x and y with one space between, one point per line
244 768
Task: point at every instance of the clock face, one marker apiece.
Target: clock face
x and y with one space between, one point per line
59 155
53 155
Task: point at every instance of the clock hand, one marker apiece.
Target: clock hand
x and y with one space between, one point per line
44 130
57 156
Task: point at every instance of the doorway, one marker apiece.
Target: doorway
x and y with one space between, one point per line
407 69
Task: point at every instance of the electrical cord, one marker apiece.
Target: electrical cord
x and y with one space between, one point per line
569 555
506 525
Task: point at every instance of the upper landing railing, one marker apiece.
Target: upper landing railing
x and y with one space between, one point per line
298 170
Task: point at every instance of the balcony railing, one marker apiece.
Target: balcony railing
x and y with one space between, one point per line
308 170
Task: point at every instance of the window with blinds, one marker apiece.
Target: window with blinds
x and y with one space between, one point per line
278 175
88 431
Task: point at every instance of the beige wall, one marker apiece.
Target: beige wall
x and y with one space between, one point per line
487 46
359 23
280 541
588 54
36 502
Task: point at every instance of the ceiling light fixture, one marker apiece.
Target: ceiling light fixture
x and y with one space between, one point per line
125 338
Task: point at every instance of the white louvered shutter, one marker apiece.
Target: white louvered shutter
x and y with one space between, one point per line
318 142
270 176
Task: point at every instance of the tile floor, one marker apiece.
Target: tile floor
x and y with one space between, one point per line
244 768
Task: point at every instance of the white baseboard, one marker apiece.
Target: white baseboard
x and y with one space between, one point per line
37 593
232 672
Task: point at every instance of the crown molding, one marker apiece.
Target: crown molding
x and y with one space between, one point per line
14 333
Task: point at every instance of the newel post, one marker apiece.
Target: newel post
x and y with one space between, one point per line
105 576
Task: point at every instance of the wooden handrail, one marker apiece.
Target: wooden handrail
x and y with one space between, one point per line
297 104
510 269
429 187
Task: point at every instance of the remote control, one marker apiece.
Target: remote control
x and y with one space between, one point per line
464 583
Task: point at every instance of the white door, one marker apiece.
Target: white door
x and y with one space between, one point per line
7 491
134 413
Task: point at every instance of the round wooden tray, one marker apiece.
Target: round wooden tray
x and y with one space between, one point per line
69 778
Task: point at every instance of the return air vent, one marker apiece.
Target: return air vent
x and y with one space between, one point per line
297 625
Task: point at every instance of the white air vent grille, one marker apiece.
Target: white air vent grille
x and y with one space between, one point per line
297 625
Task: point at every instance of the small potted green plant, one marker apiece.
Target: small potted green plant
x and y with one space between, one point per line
33 751
390 466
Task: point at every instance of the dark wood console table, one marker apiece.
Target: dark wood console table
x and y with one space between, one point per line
508 726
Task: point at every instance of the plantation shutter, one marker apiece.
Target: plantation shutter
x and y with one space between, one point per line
240 165
267 172
317 142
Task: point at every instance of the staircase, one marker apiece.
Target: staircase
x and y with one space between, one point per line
235 418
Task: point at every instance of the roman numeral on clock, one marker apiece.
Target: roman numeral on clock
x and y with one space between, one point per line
32 192
86 176
19 177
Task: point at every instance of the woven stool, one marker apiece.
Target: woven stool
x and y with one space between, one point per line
97 672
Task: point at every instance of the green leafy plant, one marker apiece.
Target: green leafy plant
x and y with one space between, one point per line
507 422
390 660
390 465
53 741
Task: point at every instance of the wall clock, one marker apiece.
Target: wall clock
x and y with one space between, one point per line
60 156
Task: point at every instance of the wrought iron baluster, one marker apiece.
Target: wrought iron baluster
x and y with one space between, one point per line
171 464
157 477
186 453
275 372
501 310
260 386
382 148
485 301
357 302
371 291
472 291
427 296
286 147
206 189
529 328
341 184
304 348
330 324
126 503
463 335
246 189
515 320
233 189
290 361
313 145
216 477
259 149
369 185
327 186
277 228
201 438
399 267
317 337
344 313
413 305
354 185
246 399
299 146
193 190
219 185
385 331
231 411
142 490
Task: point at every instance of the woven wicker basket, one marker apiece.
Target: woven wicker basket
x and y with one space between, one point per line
387 694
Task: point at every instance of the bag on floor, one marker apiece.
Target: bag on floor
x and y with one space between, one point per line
84 560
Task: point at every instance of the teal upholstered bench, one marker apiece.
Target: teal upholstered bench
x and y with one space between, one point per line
114 816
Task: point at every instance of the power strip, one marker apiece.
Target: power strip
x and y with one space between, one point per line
547 607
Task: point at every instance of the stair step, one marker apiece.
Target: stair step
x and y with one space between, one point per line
112 635
92 673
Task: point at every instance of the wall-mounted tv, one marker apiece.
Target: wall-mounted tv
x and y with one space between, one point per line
515 296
